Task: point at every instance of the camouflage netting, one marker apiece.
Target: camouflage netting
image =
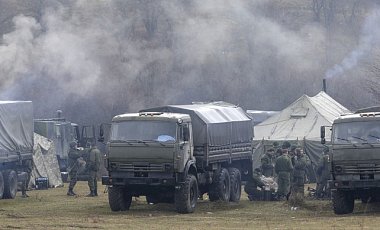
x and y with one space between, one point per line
45 163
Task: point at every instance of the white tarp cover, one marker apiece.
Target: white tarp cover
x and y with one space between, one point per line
215 123
45 162
16 130
302 119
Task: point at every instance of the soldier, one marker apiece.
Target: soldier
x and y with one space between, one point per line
93 165
323 173
28 170
267 164
292 153
283 168
251 187
73 166
299 171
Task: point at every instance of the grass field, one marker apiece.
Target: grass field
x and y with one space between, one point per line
52 209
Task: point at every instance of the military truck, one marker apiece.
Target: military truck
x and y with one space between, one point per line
62 132
16 145
355 159
177 153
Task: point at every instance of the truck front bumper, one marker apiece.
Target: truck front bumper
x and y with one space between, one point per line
128 178
354 185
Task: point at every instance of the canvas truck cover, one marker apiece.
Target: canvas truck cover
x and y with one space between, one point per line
214 124
16 130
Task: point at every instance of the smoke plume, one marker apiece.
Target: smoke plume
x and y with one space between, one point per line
369 38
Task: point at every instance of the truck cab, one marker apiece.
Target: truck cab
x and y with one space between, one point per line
355 160
148 154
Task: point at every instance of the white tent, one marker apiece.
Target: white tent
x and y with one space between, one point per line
302 119
300 124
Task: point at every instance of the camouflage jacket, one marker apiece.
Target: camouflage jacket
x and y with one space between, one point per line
72 162
283 164
267 162
93 160
300 167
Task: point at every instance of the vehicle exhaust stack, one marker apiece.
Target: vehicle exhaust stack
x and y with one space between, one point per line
324 85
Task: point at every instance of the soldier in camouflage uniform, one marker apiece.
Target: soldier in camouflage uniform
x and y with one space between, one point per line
28 169
73 166
283 167
323 173
299 172
93 165
267 163
251 187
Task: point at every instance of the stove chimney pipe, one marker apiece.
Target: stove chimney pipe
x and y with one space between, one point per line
324 85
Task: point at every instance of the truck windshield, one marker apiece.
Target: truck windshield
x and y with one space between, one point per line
161 131
357 132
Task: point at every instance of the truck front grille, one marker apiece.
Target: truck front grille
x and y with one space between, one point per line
142 167
361 169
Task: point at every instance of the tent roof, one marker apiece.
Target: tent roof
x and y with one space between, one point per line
301 119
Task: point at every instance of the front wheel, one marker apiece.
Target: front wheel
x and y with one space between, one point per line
343 202
119 199
186 196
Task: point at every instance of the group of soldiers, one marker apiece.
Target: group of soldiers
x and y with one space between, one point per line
88 157
291 167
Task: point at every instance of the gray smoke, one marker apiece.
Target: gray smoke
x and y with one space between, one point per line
369 38
100 58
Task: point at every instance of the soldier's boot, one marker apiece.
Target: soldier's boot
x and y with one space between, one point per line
91 194
96 192
71 192
24 195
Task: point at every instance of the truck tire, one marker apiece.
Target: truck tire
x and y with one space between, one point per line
235 178
10 184
343 202
220 187
1 185
185 198
119 199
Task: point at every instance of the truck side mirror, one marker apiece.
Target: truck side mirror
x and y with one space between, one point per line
323 134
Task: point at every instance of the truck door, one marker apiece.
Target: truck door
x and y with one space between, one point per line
184 152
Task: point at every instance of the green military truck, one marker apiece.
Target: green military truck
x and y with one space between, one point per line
355 159
16 145
175 154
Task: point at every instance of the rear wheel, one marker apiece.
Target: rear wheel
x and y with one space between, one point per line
220 187
235 178
119 199
343 202
1 185
186 196
10 184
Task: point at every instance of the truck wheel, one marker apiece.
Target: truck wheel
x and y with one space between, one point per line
343 202
186 197
1 185
235 178
10 184
119 199
220 187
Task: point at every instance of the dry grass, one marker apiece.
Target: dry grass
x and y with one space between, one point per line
52 209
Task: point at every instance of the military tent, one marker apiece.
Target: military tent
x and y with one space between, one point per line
45 162
299 123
